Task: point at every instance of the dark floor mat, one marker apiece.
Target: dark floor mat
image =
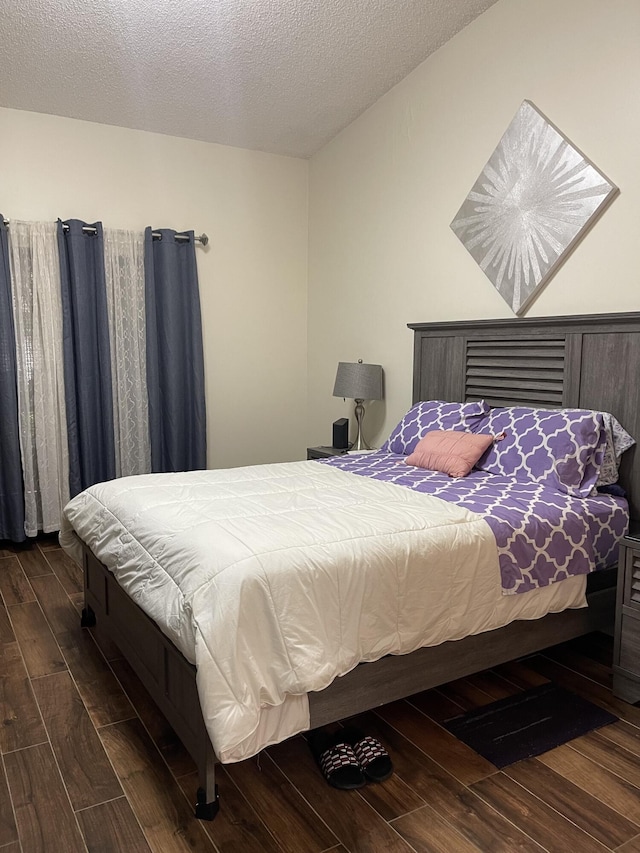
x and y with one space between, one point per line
527 724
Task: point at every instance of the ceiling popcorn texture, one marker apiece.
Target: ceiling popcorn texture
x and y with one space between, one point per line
282 76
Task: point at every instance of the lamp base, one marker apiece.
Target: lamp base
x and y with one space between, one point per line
359 443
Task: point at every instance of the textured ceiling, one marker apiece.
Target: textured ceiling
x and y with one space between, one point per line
275 75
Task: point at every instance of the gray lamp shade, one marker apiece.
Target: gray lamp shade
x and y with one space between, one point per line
358 381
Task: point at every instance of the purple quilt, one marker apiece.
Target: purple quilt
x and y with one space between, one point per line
543 535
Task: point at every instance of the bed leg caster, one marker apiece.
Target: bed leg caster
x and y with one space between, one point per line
205 810
88 618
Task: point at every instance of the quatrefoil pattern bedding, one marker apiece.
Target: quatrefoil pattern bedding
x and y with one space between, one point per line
543 535
563 448
432 415
573 450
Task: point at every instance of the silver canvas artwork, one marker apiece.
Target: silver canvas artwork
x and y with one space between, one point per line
531 204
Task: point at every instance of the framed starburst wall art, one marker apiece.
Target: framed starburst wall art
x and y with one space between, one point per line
532 203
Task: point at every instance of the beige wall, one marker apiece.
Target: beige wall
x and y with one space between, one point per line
382 194
253 275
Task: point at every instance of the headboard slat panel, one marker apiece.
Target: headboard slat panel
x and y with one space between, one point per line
502 371
527 369
521 391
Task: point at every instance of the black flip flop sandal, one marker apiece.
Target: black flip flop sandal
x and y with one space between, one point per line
373 758
337 761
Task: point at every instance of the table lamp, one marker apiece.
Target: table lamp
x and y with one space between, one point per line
358 382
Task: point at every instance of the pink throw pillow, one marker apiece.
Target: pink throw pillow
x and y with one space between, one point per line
451 452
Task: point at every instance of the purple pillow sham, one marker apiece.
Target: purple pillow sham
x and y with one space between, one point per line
433 415
561 447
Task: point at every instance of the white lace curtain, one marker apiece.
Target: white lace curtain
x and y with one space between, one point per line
124 271
37 308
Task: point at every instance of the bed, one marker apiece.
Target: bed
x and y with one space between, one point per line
587 362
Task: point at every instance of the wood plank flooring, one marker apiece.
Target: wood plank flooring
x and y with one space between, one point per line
89 764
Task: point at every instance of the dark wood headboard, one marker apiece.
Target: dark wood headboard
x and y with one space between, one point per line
587 361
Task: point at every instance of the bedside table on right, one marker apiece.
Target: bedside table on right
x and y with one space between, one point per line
324 452
626 649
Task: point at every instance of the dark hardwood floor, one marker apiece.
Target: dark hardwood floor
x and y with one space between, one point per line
88 763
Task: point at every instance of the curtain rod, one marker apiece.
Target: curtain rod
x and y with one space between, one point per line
89 229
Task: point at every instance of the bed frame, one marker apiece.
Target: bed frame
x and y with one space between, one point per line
588 361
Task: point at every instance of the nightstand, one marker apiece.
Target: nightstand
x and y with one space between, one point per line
626 649
324 452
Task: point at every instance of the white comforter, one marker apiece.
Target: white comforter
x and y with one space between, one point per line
276 579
